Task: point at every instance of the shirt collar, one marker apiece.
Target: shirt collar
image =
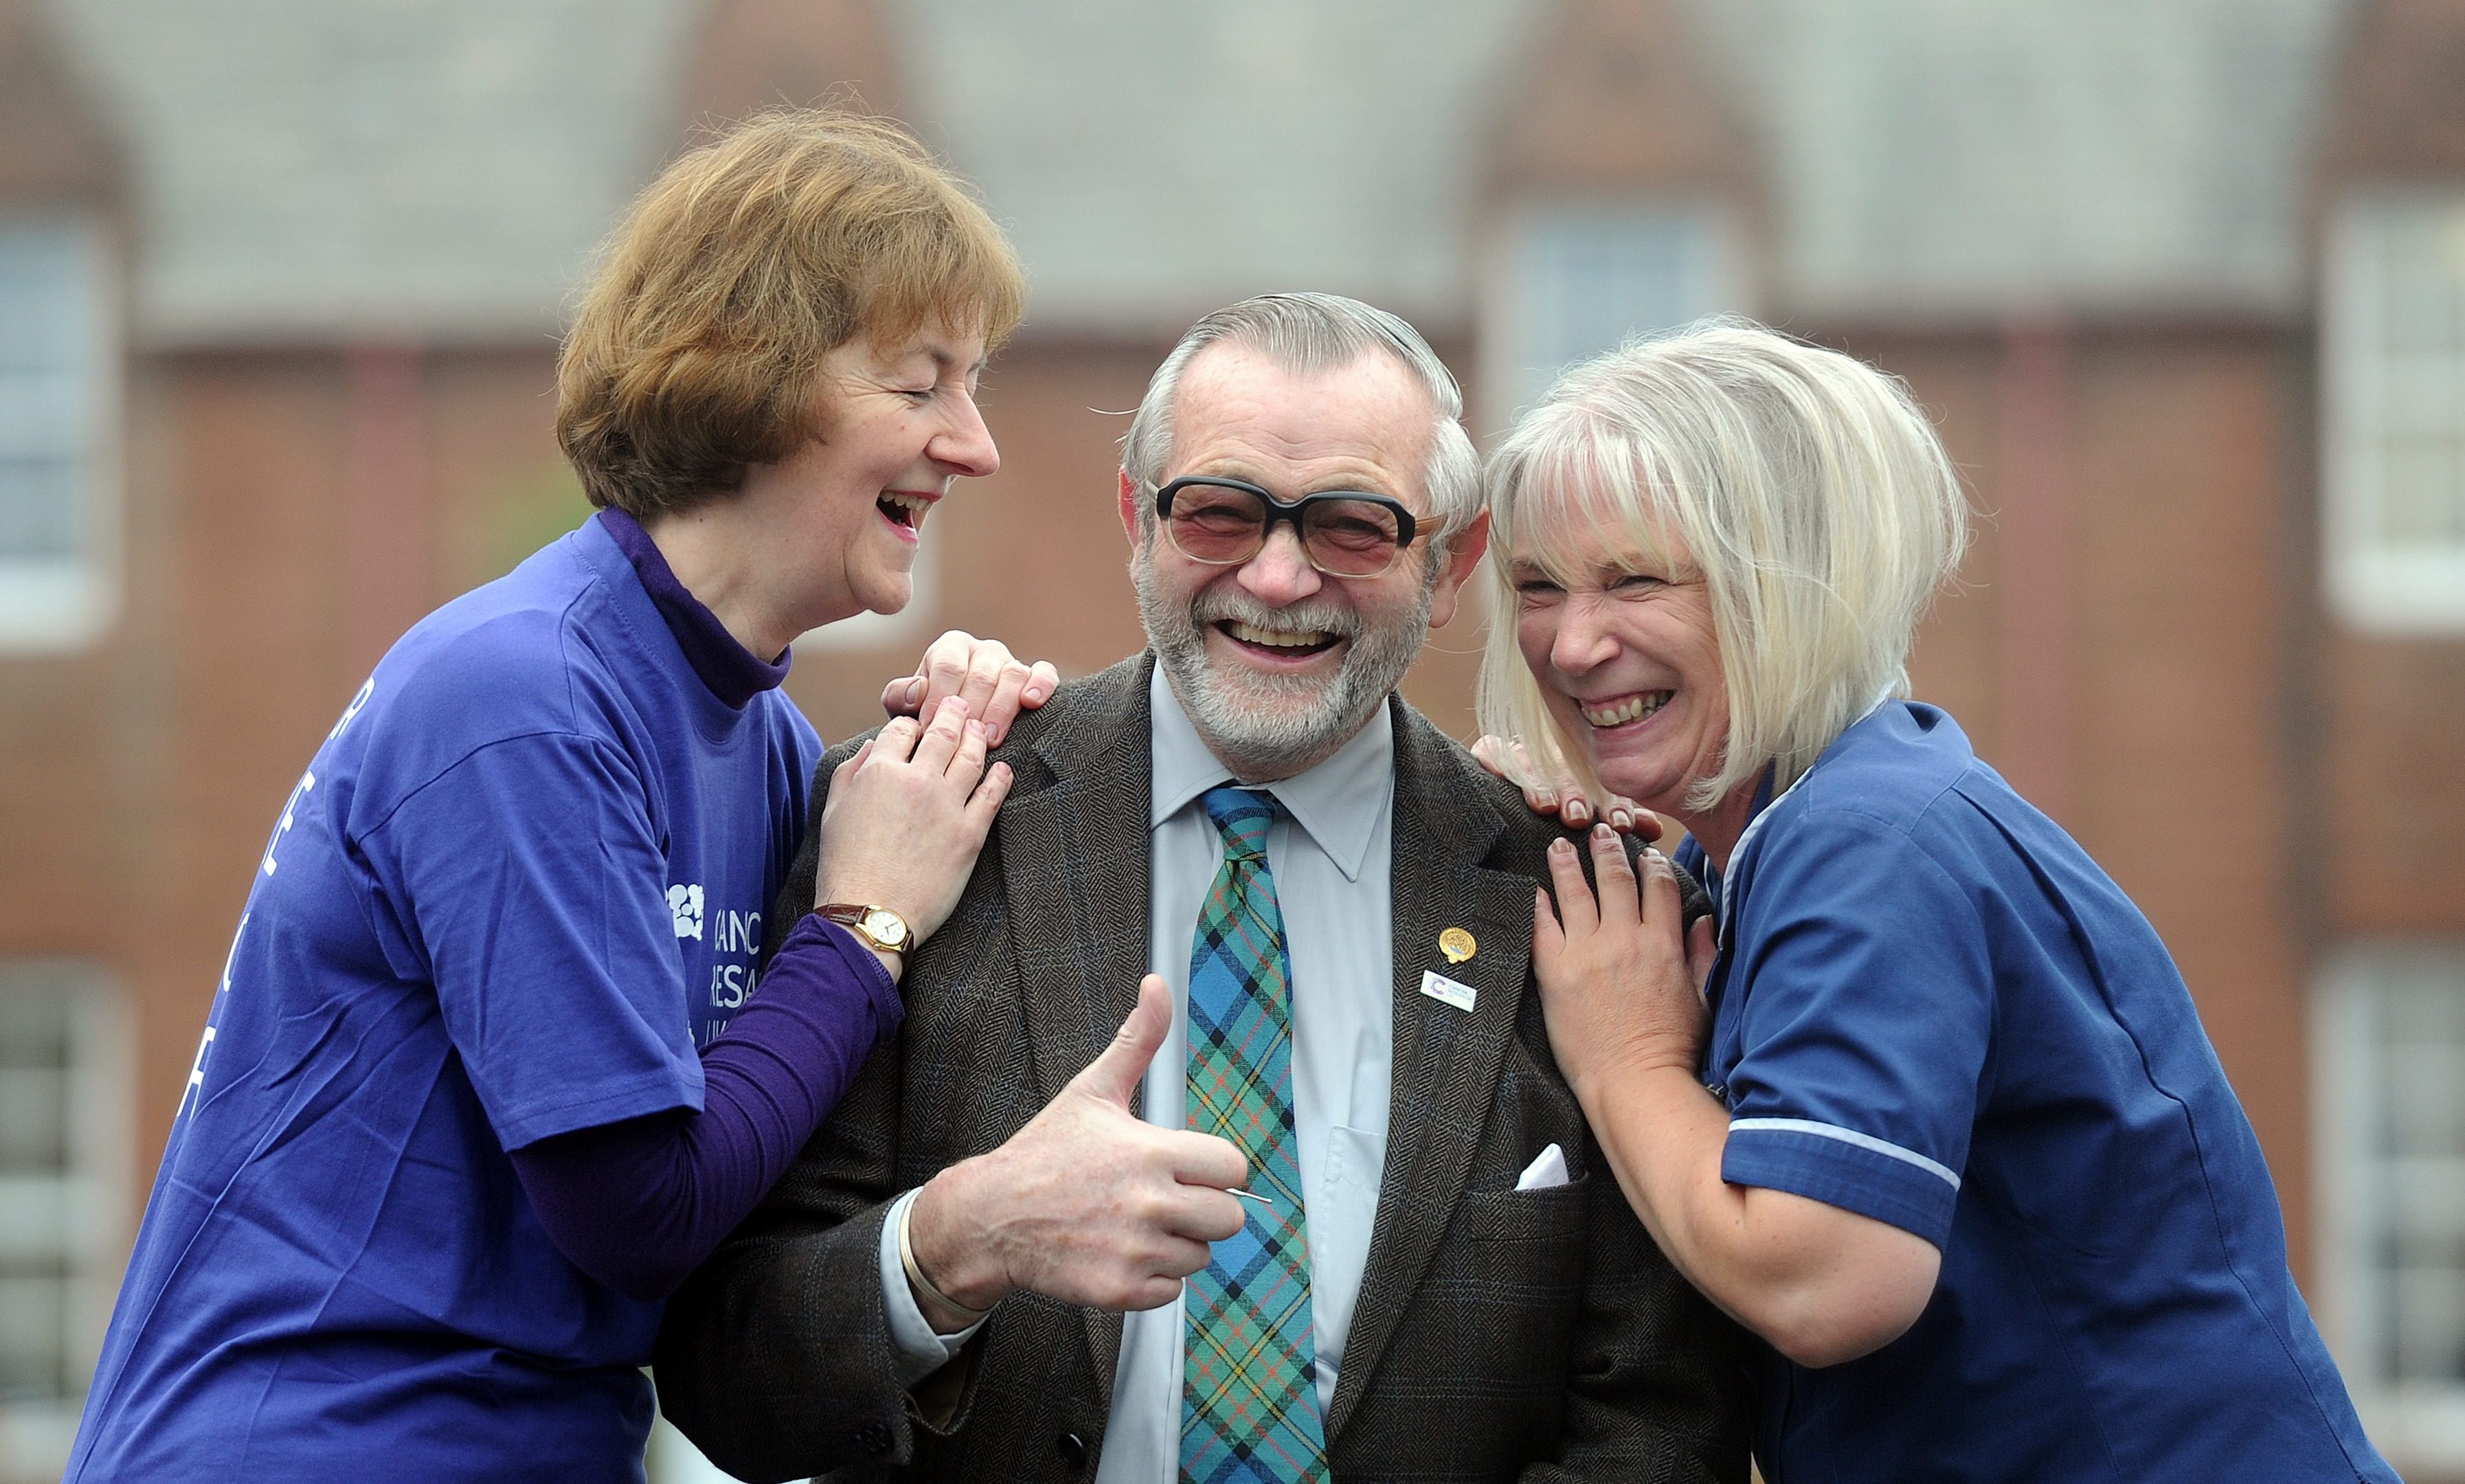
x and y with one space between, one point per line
731 671
1337 802
1765 799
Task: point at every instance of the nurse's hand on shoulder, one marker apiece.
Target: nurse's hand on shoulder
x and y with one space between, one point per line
995 684
1622 989
1557 792
1621 977
908 816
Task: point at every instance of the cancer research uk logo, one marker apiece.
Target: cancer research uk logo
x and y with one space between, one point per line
732 939
684 904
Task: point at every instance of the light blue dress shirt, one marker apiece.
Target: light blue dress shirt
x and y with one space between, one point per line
1332 859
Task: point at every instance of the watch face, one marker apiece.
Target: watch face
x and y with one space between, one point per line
886 928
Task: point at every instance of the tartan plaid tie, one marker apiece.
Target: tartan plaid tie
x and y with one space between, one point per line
1249 1402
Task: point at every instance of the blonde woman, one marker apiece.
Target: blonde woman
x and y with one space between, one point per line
1939 1125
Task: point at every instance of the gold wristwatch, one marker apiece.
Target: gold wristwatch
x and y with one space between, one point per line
879 926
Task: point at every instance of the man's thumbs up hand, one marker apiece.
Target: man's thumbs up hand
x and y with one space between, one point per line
1087 1204
1114 1076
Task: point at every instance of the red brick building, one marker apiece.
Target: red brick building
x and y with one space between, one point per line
2183 282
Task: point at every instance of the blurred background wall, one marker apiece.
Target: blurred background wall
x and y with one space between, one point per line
2183 282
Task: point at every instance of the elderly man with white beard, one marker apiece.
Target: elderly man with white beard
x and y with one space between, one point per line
1321 1207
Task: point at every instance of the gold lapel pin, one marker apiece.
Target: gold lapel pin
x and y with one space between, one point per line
1456 945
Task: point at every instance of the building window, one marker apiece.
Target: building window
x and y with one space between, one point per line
2388 1035
1573 281
2393 328
64 1106
59 360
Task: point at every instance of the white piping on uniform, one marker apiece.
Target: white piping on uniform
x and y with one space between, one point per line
1850 1136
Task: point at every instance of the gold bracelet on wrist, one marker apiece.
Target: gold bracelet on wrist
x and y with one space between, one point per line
915 1274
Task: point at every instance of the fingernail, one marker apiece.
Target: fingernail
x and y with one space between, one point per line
1562 847
1621 819
975 728
1580 809
1604 832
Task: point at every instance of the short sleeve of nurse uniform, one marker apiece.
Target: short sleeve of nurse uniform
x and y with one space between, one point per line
1859 1006
535 879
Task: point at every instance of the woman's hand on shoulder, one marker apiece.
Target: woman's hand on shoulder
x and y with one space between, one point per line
1558 793
995 684
1621 977
908 815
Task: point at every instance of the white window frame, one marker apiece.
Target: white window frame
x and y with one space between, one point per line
2419 1426
49 605
2371 586
84 1208
1513 305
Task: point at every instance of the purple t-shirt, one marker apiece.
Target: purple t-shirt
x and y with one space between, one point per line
520 881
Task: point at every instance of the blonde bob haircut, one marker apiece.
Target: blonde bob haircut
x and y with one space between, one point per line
1804 487
698 347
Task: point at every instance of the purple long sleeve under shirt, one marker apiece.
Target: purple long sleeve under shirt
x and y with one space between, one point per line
638 1205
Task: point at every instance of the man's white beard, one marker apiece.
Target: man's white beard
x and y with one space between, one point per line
1264 726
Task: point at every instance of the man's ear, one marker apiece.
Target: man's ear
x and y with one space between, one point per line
1131 508
1463 554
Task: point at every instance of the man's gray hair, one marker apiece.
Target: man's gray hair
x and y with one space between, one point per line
1315 332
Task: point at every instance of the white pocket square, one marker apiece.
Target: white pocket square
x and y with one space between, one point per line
1548 1169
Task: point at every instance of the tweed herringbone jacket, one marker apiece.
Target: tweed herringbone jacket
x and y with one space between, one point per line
1500 1334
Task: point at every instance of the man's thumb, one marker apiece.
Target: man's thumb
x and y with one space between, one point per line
1115 1074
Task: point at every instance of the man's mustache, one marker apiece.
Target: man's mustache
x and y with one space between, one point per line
1239 607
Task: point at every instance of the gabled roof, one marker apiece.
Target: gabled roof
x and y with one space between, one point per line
313 169
1157 159
1960 158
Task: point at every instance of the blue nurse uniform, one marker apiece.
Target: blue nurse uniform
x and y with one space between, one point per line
1932 1008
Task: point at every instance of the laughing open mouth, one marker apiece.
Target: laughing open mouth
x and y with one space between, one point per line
1296 643
903 509
1633 708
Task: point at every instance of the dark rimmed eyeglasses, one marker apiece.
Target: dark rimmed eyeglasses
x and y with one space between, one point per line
1224 521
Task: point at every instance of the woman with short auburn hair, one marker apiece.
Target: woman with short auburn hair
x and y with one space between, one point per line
485 1078
1925 1104
703 345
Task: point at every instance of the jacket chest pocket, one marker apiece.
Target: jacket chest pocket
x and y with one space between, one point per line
1517 1253
1554 1214
1508 1280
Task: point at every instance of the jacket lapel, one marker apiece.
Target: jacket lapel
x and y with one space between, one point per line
1447 1061
1075 871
